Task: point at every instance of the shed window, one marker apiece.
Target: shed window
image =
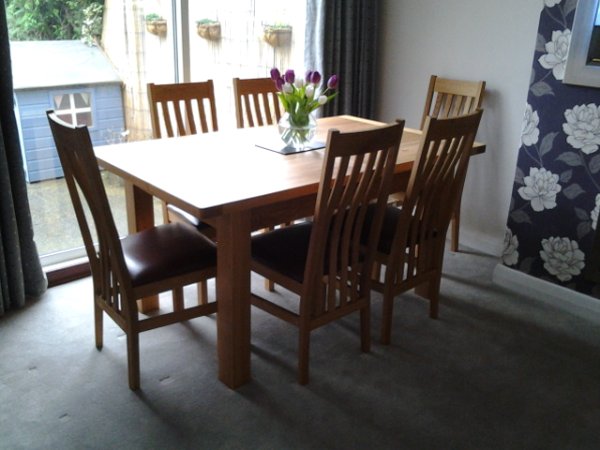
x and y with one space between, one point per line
74 108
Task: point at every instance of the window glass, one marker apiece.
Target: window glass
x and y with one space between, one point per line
74 108
62 102
181 52
82 100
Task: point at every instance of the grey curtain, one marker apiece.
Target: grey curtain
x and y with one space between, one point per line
342 38
21 274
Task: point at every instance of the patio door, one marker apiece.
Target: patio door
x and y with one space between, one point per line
138 52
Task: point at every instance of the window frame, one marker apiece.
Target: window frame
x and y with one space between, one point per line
73 111
578 71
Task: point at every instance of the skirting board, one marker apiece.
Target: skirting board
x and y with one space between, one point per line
560 297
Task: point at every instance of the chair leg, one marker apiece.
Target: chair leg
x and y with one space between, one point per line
455 231
202 293
98 325
387 312
434 296
303 355
365 329
455 224
431 291
178 299
133 360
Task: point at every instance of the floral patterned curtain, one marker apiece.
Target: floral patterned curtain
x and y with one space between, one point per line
21 274
556 195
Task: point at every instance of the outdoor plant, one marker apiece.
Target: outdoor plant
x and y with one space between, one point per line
153 17
301 96
207 22
277 34
209 29
91 28
156 24
35 20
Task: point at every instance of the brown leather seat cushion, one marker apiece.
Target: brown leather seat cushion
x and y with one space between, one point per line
388 228
165 251
284 249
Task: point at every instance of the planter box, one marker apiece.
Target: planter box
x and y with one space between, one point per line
277 37
157 27
210 31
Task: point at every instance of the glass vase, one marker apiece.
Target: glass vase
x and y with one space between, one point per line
296 136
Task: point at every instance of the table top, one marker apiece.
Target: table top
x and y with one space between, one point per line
212 173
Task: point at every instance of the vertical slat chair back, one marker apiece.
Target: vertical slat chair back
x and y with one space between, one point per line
357 174
450 98
86 189
434 185
256 102
182 109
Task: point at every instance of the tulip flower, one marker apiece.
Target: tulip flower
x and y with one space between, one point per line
279 83
333 82
275 74
289 76
315 77
299 97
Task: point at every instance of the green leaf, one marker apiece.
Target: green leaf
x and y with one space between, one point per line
540 44
520 216
582 214
541 88
583 229
566 176
547 143
570 159
595 164
573 191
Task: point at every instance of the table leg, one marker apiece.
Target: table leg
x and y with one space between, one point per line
233 296
140 216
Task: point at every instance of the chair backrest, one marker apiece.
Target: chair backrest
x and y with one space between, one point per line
451 98
185 108
435 184
256 102
356 177
85 187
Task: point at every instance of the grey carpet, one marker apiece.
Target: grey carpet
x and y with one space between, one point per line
496 371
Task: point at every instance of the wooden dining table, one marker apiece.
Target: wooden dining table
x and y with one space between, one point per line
227 180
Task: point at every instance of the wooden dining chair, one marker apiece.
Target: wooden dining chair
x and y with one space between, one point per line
256 102
256 105
413 236
182 109
162 258
323 260
451 98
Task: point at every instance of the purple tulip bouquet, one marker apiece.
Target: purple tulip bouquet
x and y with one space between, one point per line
299 97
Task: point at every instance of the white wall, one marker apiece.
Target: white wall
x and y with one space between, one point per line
470 39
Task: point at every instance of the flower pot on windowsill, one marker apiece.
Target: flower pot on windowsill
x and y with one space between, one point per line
277 36
157 27
209 31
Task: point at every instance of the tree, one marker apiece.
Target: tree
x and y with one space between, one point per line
34 20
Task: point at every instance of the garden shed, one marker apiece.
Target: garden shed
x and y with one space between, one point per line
78 82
